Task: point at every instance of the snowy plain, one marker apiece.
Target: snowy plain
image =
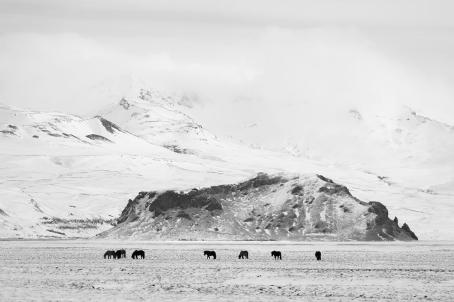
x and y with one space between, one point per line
74 270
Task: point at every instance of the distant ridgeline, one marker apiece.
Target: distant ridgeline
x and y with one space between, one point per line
267 207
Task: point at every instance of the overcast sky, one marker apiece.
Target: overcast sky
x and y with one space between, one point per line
55 55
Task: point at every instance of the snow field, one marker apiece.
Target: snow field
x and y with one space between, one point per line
76 270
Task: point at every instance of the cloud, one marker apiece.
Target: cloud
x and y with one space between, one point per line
297 82
305 81
53 71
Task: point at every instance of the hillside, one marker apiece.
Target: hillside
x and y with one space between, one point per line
266 207
68 176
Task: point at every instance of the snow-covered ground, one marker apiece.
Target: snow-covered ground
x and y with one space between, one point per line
76 271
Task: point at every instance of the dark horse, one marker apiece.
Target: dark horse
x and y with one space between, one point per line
209 254
243 254
120 254
318 255
276 255
137 254
109 254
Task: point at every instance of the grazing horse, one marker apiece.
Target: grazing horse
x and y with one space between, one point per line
137 254
109 254
318 255
120 254
276 255
209 254
243 254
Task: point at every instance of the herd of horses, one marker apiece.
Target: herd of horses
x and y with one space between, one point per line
122 254
209 254
245 255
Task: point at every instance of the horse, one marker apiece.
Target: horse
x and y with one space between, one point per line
138 253
318 255
209 254
243 254
120 254
109 254
276 255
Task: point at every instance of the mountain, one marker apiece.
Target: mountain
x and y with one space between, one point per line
67 176
57 169
267 207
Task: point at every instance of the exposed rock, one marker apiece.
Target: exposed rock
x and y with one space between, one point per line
297 190
183 214
10 132
125 104
111 127
177 149
384 228
172 200
406 228
98 137
275 207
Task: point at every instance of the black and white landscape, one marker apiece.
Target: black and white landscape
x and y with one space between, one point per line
68 176
179 127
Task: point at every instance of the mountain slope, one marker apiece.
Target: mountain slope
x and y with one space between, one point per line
262 208
64 176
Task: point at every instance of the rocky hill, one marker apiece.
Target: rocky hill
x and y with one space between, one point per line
267 207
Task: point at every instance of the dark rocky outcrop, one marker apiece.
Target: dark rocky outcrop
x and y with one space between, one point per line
128 212
110 127
266 207
177 149
194 199
98 138
10 132
383 227
406 228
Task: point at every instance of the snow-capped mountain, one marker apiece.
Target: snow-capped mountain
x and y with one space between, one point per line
69 176
403 137
265 207
63 175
